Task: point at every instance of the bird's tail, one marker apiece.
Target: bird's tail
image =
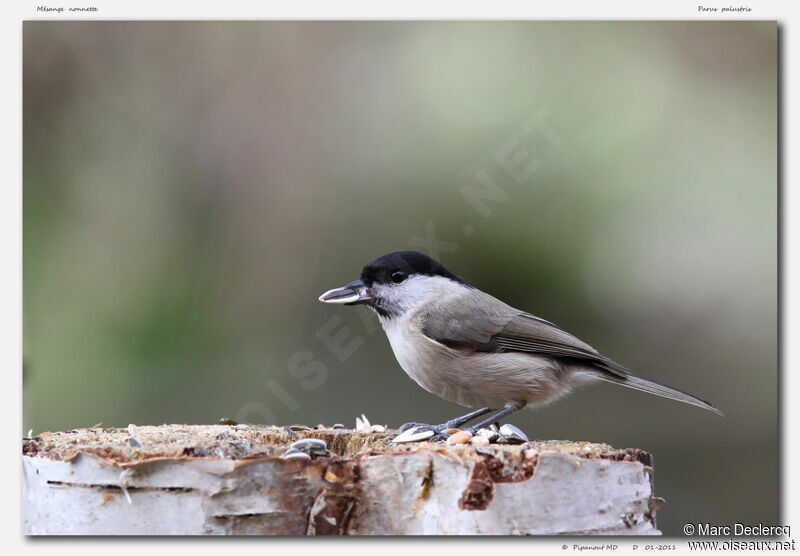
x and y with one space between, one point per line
652 387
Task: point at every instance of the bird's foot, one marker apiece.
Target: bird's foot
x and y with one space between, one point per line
417 432
405 426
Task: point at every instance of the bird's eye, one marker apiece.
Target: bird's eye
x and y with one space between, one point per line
398 277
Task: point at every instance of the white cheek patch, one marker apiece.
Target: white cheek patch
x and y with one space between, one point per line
416 291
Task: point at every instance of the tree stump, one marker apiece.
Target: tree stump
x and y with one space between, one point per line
232 480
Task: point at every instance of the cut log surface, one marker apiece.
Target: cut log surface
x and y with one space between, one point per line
232 480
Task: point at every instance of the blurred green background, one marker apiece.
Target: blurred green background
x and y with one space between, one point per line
191 188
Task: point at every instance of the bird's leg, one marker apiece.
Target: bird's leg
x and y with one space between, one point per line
451 424
508 410
438 433
458 421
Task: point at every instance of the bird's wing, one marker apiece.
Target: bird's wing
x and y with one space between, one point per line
479 322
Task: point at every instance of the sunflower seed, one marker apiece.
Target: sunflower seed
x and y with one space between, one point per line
460 437
311 446
362 423
413 435
291 453
479 440
512 435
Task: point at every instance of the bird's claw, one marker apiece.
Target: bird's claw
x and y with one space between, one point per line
405 426
418 432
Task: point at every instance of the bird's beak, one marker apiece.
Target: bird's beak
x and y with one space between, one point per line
351 294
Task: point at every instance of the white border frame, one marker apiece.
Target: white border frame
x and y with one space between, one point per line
11 232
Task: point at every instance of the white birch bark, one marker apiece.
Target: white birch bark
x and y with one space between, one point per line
231 480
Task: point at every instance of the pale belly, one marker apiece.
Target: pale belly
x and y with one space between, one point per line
474 379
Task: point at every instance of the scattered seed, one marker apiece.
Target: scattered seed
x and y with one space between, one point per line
479 441
331 477
311 446
362 423
489 434
376 428
241 426
512 435
413 435
338 426
134 443
451 431
291 453
461 437
226 421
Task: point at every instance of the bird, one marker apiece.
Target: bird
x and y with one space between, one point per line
468 347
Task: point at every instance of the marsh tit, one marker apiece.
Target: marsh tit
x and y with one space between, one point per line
470 348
